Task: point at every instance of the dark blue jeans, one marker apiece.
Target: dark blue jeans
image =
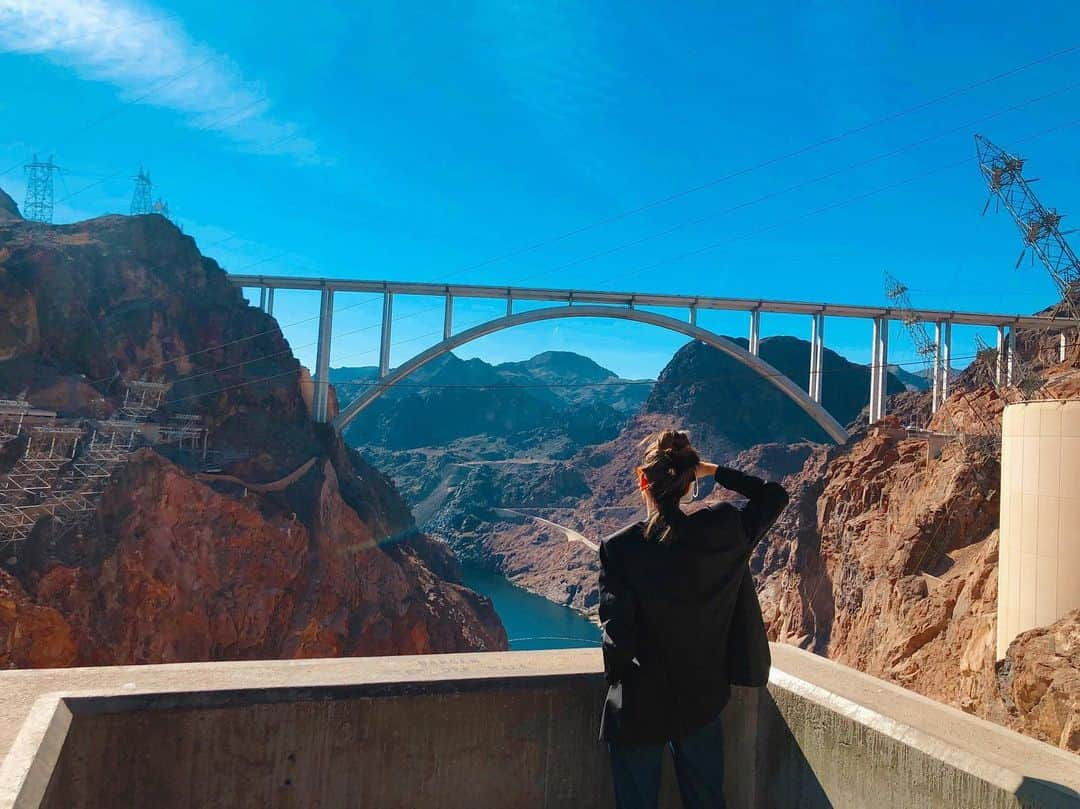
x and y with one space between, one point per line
699 768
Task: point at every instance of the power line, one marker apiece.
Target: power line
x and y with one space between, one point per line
165 82
815 212
275 330
804 183
741 172
771 195
658 202
830 207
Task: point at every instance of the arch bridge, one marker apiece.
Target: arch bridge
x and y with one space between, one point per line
625 306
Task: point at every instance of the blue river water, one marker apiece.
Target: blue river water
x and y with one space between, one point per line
532 622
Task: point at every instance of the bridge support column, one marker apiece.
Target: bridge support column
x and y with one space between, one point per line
875 340
262 298
1061 347
999 360
935 372
320 397
448 317
879 368
270 301
946 358
1011 354
755 330
693 315
817 349
384 340
509 303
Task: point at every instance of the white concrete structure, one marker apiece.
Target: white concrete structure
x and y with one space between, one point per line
1039 559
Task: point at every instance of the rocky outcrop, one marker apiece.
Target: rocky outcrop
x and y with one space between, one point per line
321 561
1040 682
31 635
9 211
185 573
886 560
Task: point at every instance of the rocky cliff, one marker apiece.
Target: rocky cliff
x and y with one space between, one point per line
886 560
176 564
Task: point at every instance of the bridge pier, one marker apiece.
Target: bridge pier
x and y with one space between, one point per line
999 360
448 317
817 350
384 339
262 298
270 301
942 361
1009 356
320 397
879 369
935 371
755 330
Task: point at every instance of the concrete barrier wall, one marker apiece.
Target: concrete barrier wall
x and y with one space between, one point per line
491 730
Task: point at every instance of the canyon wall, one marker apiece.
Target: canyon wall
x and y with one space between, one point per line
180 565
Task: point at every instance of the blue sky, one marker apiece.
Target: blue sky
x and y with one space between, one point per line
417 141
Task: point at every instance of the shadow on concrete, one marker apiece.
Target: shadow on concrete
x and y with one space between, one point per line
763 762
784 776
1038 792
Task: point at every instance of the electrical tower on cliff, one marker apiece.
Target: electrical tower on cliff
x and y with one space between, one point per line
1039 225
141 200
38 205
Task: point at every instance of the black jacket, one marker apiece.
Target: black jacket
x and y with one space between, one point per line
681 619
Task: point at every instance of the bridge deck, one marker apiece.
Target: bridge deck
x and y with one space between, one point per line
574 296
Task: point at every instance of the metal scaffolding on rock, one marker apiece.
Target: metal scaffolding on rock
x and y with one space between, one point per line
141 398
12 414
64 467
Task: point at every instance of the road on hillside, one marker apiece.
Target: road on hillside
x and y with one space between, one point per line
571 534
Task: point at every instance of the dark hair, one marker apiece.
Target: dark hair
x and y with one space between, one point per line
669 467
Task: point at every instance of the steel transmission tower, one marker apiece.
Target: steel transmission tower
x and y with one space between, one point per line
38 206
1039 225
141 199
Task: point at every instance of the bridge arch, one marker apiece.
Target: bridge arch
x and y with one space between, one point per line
786 386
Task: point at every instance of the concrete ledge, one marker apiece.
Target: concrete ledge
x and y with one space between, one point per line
492 729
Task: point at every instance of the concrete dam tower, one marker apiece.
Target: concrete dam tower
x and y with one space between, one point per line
1039 560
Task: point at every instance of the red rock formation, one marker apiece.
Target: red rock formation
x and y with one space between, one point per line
1040 682
188 573
173 568
886 560
31 636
